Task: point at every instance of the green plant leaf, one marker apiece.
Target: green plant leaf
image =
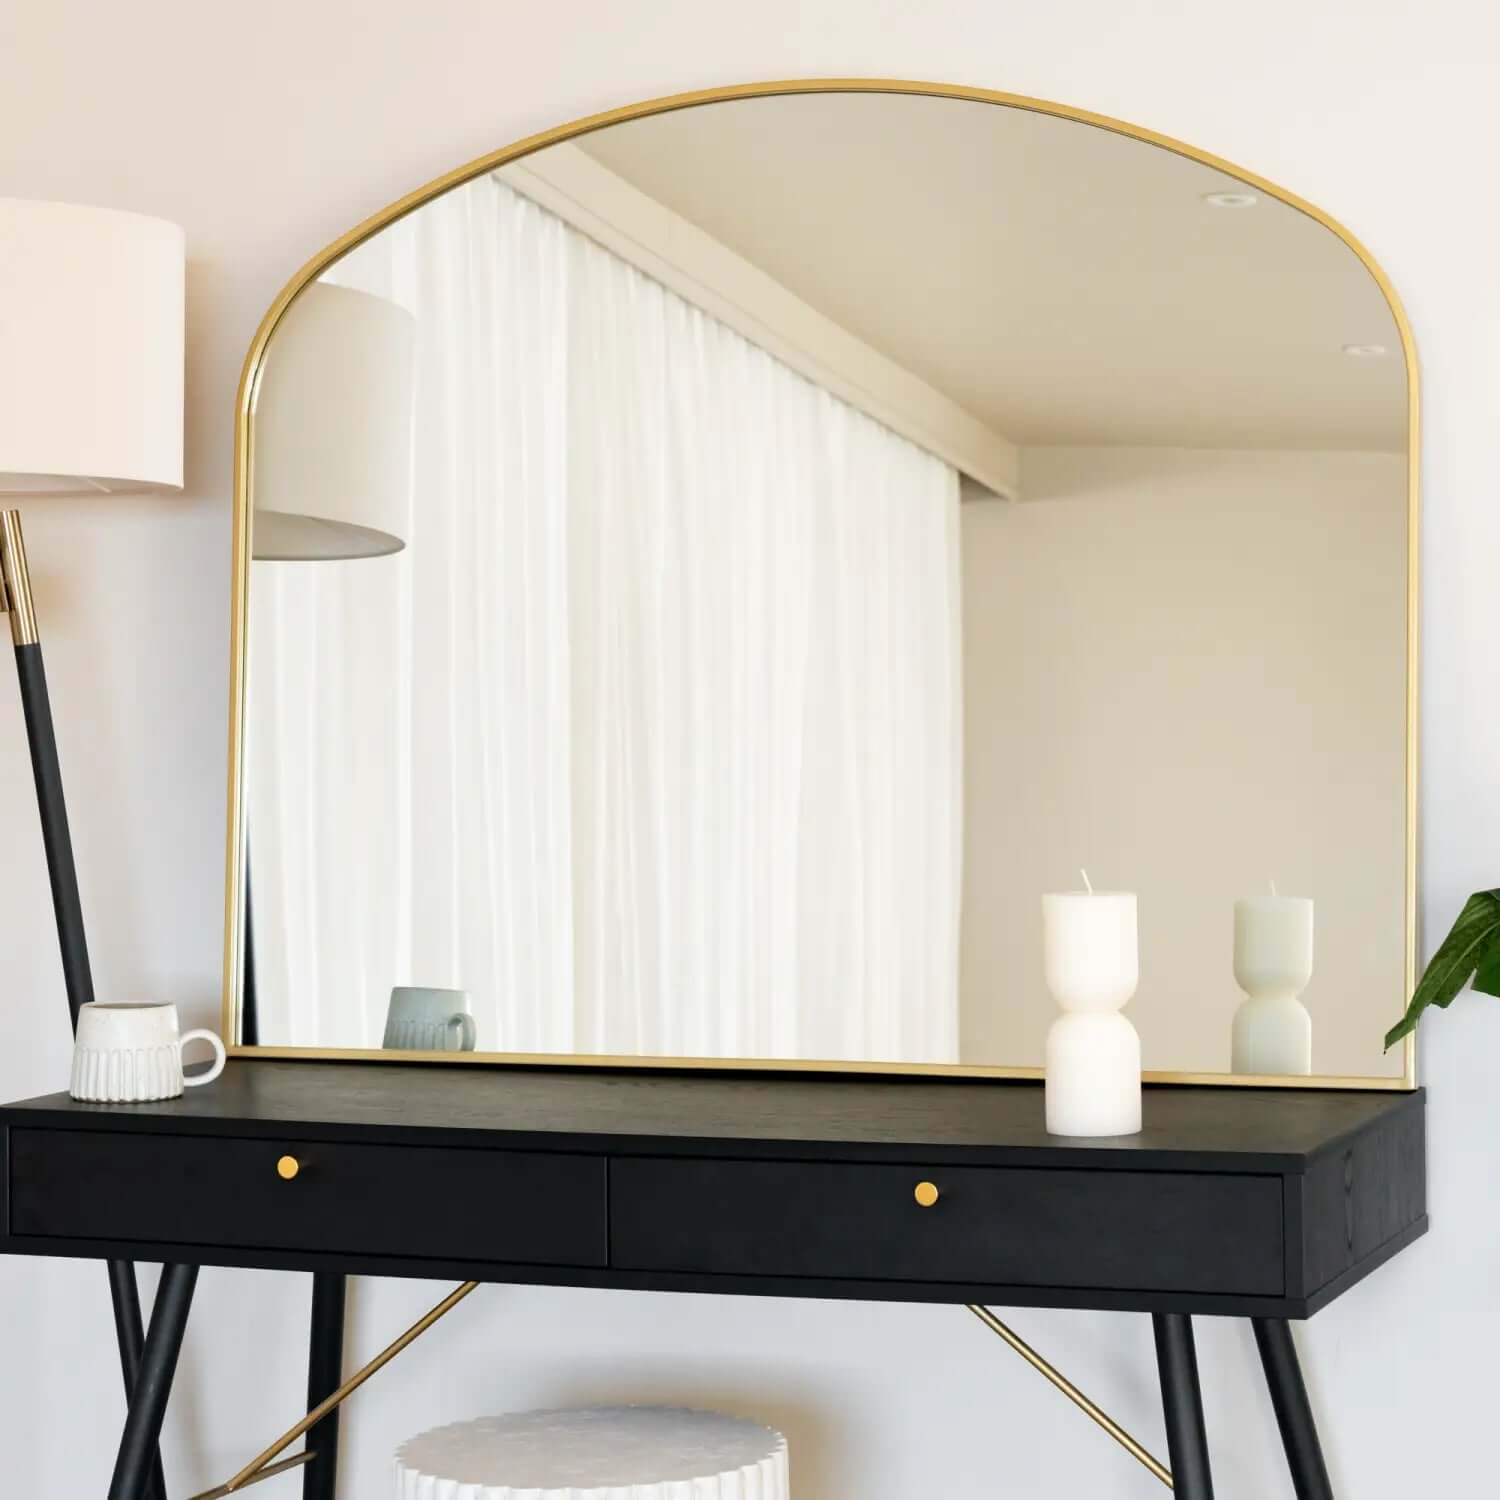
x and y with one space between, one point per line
1470 951
1487 975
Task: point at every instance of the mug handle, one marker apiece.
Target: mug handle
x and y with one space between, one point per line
461 1030
202 1034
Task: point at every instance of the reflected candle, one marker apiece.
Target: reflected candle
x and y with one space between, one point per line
1273 962
1092 967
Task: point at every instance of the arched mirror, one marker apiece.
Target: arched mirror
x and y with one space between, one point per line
705 572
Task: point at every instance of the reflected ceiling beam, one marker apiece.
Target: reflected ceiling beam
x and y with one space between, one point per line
704 271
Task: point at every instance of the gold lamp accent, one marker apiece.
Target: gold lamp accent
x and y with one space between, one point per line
15 580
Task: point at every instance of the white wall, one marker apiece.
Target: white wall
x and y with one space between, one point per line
268 129
1267 591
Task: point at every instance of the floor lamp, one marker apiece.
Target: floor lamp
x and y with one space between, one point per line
91 382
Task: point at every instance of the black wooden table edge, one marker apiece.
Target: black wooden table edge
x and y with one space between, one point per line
1336 1286
1098 1299
1316 1183
720 1148
57 1112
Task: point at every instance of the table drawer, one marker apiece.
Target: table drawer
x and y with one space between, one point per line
523 1207
1125 1230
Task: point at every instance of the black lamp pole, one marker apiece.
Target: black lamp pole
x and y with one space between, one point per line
15 596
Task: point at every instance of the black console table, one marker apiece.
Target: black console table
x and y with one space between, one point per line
1263 1204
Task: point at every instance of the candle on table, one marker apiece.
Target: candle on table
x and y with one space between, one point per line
1273 962
1093 1073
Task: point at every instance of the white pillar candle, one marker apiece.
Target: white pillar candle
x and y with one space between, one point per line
1093 1053
1273 962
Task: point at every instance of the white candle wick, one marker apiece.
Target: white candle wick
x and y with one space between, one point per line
1273 887
1088 884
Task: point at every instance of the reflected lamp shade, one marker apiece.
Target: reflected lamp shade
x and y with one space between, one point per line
331 429
91 350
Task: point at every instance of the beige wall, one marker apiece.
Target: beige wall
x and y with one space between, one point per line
268 129
1185 670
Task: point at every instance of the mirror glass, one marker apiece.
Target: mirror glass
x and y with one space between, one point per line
714 574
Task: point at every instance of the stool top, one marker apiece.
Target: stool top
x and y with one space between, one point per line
595 1447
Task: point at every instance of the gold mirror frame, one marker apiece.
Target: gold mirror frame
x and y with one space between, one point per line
245 413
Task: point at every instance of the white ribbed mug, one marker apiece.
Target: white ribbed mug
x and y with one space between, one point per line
129 1054
423 1019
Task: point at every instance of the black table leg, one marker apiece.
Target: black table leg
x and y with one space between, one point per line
1182 1403
1299 1433
127 1301
148 1403
325 1373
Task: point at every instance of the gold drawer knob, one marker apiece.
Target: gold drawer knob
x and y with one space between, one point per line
287 1168
926 1194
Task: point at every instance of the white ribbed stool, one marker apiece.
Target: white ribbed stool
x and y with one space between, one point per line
596 1453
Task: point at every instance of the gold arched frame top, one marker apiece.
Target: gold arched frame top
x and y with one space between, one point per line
243 480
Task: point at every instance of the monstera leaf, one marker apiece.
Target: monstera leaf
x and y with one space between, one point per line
1470 951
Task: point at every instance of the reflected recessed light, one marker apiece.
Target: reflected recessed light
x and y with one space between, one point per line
1230 200
1364 351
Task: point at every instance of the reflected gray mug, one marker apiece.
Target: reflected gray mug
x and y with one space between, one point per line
421 1019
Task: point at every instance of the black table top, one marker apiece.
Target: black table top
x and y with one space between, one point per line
991 1120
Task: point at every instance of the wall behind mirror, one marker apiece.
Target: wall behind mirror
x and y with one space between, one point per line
713 573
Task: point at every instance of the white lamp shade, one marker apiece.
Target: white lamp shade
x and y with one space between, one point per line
331 431
91 349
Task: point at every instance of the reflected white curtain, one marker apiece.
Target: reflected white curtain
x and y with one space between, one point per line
651 737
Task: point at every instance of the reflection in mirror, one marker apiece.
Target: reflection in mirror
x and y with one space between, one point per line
713 575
